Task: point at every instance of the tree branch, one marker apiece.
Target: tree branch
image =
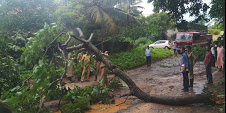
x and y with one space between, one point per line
54 40
79 39
90 38
65 68
74 47
81 36
25 81
67 40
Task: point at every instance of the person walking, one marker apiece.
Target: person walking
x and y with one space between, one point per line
192 60
86 61
185 69
220 57
148 56
208 63
175 48
104 70
70 68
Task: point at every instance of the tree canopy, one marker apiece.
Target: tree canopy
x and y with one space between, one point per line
177 9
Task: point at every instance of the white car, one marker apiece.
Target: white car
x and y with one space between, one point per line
166 44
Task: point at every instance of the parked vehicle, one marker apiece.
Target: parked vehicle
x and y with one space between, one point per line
166 44
192 39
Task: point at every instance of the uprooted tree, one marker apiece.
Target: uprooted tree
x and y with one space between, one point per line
134 90
32 98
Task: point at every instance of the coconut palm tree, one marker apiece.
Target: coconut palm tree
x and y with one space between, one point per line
103 13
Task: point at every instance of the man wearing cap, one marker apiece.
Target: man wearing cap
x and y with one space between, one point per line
86 61
104 70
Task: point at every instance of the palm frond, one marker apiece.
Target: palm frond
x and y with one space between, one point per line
109 22
95 14
115 12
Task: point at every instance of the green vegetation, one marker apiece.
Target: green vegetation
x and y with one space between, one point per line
214 31
200 52
177 8
28 27
9 77
81 98
136 57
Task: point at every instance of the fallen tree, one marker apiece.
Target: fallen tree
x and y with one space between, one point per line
134 90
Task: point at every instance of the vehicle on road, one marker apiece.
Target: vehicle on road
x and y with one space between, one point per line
166 44
192 39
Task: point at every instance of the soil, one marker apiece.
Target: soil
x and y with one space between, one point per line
164 78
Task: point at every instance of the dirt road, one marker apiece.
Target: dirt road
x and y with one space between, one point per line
164 78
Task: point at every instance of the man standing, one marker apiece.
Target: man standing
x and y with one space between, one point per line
97 67
148 56
104 70
86 61
213 53
208 63
70 68
79 63
175 48
185 63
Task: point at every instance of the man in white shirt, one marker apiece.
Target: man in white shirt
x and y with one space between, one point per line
213 53
148 56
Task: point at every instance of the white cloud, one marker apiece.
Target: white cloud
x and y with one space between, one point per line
148 7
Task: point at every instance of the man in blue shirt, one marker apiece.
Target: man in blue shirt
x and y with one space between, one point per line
185 61
148 56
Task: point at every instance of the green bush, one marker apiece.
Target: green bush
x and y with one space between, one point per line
200 52
136 57
81 98
214 31
9 77
143 41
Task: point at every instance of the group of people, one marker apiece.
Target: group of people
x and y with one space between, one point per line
189 59
85 64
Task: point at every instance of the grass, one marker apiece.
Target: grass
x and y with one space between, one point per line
136 57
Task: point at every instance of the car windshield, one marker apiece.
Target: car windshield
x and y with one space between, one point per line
184 37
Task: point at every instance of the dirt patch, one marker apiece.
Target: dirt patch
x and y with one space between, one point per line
120 104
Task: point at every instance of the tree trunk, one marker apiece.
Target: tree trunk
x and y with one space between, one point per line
102 37
168 100
135 91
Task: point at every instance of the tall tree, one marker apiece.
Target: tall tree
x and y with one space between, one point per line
218 11
177 9
103 13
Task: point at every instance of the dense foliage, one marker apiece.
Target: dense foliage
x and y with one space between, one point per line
200 52
9 76
214 31
81 98
218 11
26 50
177 9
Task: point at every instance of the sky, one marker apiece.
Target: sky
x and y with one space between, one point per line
149 9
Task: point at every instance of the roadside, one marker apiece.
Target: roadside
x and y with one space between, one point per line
163 78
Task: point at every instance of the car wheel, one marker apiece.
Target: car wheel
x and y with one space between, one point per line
166 47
